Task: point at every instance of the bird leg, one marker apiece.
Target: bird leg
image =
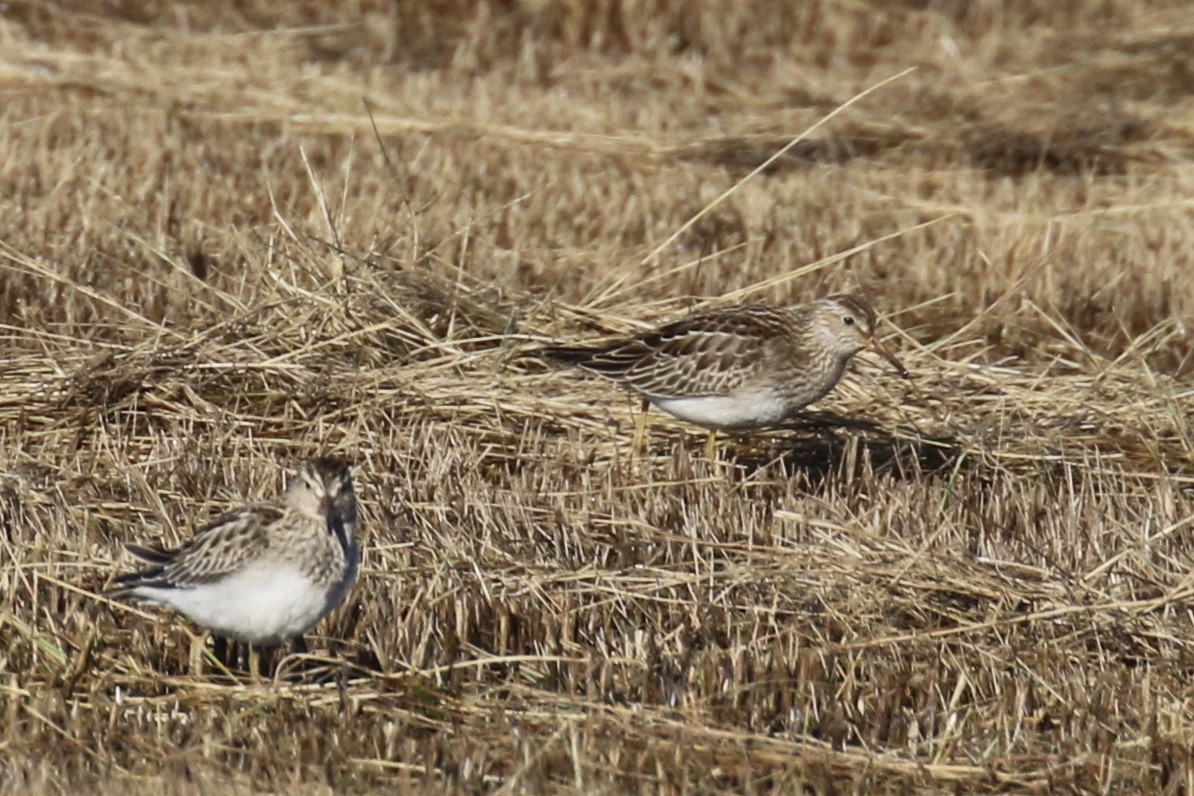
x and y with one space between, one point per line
638 444
244 657
225 651
711 446
248 659
261 663
197 649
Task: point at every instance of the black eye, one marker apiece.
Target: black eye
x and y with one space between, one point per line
848 320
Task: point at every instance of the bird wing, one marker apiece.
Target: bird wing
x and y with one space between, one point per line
218 549
702 355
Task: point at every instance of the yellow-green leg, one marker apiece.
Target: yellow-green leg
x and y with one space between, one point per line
197 649
711 446
255 664
639 443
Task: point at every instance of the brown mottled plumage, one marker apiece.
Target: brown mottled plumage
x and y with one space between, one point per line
738 367
263 573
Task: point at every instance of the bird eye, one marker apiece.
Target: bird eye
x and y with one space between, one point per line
848 320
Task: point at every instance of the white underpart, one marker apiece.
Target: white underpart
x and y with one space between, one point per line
738 410
265 603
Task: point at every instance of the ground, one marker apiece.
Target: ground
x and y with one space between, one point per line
237 234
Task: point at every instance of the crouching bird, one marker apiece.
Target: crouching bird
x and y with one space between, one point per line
263 574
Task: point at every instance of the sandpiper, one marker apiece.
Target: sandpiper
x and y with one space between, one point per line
738 367
265 573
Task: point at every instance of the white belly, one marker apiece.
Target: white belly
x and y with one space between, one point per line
263 604
740 410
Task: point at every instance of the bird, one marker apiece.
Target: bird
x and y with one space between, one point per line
262 574
740 367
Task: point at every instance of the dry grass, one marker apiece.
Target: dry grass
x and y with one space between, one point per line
211 267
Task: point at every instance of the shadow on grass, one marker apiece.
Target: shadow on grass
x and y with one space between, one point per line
823 445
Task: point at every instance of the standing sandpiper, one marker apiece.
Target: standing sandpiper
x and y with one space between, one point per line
739 367
262 574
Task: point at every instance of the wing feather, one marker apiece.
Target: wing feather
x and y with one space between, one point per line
218 549
700 355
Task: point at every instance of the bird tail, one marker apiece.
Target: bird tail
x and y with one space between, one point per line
569 355
150 555
130 582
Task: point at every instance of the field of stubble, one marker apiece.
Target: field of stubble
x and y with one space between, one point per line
214 264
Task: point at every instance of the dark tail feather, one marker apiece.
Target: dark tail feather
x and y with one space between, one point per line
125 584
569 355
158 556
150 555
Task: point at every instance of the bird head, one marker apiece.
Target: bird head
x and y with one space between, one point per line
321 486
845 325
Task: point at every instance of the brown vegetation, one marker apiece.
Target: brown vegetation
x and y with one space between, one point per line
214 264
